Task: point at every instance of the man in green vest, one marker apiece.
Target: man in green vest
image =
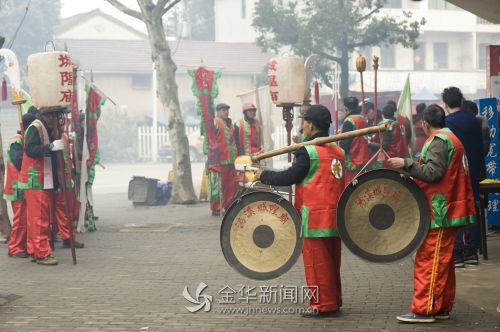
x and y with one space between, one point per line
318 172
442 172
247 132
223 185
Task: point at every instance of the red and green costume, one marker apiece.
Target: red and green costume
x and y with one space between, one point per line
13 193
59 211
404 126
452 205
393 135
223 185
37 180
321 244
358 154
248 136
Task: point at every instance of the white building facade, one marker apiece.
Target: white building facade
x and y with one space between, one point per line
451 49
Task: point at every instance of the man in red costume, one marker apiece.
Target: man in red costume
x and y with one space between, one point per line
318 171
39 178
419 131
442 173
223 185
356 149
392 138
247 131
13 193
41 184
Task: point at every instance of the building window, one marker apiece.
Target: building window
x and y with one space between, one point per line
243 8
387 56
440 55
483 21
419 58
481 59
441 4
393 4
141 81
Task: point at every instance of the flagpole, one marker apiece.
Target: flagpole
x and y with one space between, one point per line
154 147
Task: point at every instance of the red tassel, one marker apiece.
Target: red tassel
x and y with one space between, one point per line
4 90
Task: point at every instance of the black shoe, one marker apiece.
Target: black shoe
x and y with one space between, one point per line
458 259
442 315
67 244
412 317
470 257
215 214
319 314
20 255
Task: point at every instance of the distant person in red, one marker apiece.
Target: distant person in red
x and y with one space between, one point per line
392 137
247 131
13 193
224 185
420 136
405 128
356 148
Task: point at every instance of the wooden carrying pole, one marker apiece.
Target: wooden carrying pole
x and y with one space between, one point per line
322 140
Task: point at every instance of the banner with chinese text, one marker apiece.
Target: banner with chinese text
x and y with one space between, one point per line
488 109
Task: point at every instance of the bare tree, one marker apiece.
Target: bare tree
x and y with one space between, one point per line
151 14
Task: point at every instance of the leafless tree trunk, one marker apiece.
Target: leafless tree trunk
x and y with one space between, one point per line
4 216
151 14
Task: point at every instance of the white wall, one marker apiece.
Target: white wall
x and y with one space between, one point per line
229 24
99 27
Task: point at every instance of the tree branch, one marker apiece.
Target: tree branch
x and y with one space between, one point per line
166 9
327 56
362 18
124 9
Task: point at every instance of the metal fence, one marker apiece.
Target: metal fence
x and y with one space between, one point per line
145 139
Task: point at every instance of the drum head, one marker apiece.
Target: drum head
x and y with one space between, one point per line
260 235
383 216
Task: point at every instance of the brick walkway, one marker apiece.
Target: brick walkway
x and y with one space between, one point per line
131 279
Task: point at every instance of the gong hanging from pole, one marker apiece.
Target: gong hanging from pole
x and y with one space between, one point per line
383 216
260 235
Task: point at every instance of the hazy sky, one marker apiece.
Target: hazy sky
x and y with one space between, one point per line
74 7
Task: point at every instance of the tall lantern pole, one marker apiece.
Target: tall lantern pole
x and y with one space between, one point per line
375 70
287 83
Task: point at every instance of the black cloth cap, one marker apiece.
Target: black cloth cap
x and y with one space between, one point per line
221 106
319 115
28 118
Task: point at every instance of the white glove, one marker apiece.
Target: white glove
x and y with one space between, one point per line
57 145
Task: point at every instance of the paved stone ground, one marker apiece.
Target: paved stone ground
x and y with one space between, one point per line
131 279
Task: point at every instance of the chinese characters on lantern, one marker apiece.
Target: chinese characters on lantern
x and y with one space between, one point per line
66 78
272 69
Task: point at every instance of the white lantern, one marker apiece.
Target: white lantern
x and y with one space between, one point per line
50 79
287 80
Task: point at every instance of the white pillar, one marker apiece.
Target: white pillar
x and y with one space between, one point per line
154 146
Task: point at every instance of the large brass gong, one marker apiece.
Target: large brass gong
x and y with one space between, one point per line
382 216
260 235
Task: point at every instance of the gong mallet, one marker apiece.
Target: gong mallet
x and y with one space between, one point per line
375 71
322 140
360 67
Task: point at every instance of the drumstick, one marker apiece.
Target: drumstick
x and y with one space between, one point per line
322 140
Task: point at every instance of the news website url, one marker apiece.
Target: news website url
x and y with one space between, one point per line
251 311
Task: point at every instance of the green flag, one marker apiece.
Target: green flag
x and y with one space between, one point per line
405 107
